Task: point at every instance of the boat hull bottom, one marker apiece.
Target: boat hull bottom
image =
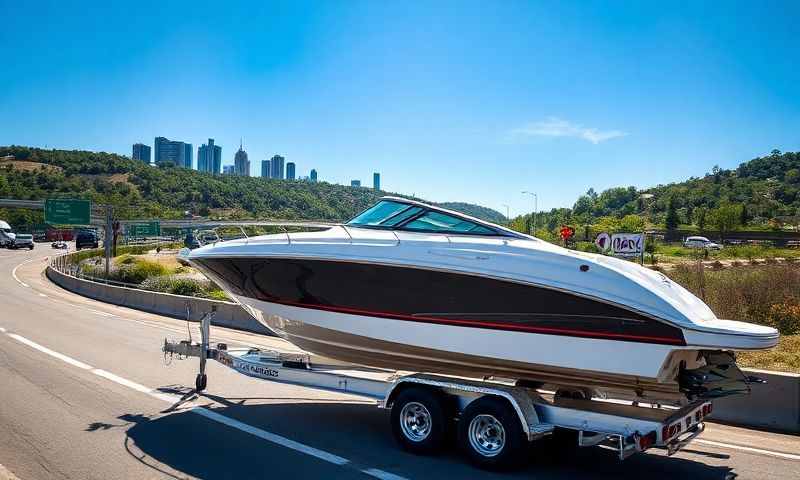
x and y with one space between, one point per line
375 353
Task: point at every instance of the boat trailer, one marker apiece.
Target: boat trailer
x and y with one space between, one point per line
494 418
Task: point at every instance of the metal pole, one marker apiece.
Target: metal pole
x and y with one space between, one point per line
535 207
108 240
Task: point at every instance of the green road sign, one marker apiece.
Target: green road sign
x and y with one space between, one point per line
149 229
65 211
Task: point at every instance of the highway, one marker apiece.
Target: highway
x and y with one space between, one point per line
85 394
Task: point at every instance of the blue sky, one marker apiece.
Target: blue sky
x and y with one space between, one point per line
470 101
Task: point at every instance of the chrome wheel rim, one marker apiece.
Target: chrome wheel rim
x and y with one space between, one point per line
486 435
415 421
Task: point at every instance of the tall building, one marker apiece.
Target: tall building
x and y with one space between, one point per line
228 169
240 162
187 155
209 157
276 167
313 175
265 169
290 171
376 181
172 151
141 152
355 183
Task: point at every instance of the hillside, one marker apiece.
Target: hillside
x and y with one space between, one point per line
137 190
765 192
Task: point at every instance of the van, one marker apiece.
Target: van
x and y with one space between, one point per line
7 237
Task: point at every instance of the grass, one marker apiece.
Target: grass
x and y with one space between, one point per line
678 253
784 358
763 294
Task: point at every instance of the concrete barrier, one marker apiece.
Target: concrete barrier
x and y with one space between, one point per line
229 314
773 406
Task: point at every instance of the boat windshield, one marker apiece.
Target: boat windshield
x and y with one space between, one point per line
403 216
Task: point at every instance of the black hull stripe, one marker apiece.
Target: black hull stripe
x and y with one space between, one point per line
488 325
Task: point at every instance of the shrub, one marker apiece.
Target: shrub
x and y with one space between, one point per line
158 284
140 271
785 317
218 295
186 286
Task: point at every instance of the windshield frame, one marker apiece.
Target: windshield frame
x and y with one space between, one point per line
424 210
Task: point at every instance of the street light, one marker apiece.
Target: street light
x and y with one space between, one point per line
535 207
508 215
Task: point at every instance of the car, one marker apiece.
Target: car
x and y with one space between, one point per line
59 244
22 240
191 242
701 242
86 239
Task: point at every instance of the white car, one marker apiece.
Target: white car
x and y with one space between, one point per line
701 242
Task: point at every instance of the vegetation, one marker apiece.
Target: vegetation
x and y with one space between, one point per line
766 294
761 194
137 190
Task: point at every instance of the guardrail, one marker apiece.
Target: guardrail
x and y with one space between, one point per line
63 270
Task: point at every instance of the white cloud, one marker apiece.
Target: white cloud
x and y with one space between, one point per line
556 127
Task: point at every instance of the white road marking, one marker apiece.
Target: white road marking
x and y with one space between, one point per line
52 353
14 273
2 330
210 414
43 295
98 312
787 456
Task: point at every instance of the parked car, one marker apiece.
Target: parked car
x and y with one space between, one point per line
86 239
701 242
22 240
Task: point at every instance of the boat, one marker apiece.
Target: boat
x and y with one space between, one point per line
414 287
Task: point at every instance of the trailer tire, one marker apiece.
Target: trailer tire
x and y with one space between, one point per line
490 434
418 421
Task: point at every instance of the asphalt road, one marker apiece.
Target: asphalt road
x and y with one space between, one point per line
85 393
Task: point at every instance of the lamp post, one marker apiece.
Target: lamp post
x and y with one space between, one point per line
508 214
535 207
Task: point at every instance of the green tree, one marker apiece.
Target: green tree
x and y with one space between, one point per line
725 219
700 215
671 220
632 224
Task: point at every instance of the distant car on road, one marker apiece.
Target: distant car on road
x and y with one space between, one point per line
59 244
191 241
23 240
6 235
701 242
86 239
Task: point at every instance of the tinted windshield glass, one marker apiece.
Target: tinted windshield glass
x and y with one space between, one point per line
441 222
380 212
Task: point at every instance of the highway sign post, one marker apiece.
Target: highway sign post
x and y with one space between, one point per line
67 211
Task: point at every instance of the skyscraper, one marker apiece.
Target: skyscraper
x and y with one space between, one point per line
172 151
141 152
313 175
187 155
209 157
276 167
376 181
228 169
290 171
241 163
355 183
265 169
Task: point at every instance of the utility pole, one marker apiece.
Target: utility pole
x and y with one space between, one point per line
508 215
109 242
535 207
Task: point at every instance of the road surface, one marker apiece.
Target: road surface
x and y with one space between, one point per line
85 394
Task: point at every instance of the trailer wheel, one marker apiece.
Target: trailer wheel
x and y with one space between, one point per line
418 421
200 382
490 434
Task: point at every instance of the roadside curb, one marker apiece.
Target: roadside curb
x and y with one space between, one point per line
230 315
772 406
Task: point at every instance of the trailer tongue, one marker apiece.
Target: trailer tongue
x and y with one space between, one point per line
494 419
